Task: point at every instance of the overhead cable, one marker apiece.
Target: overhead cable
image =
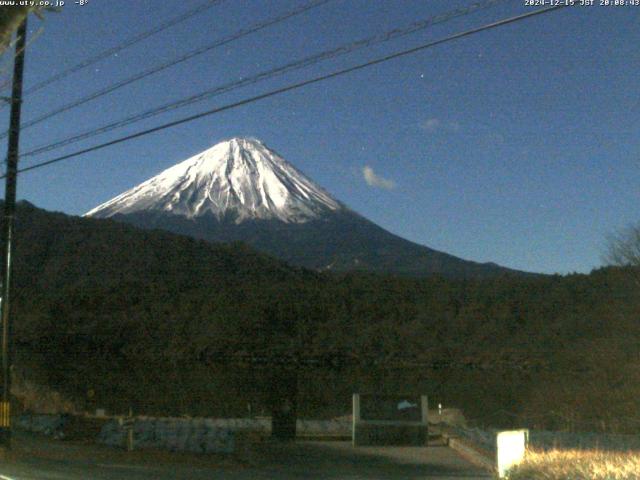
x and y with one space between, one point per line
295 86
158 68
267 74
122 46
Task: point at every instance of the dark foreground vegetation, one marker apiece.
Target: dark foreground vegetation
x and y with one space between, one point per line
112 316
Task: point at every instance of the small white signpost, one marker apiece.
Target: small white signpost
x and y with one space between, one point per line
511 447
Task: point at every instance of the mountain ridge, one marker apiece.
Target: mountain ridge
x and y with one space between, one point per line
240 190
238 176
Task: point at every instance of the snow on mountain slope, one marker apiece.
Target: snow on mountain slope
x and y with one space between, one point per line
239 178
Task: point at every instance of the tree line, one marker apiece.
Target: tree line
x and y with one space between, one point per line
172 325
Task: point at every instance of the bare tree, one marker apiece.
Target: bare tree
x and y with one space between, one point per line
623 247
10 19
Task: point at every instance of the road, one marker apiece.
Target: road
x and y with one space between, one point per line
36 458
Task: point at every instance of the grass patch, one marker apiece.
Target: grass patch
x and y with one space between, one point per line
578 465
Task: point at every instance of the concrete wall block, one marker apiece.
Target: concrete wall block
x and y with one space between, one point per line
111 434
162 429
42 423
323 427
192 435
192 444
209 423
144 433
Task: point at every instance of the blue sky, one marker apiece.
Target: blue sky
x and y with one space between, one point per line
519 145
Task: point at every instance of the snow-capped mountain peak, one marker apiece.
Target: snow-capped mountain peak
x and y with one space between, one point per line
239 178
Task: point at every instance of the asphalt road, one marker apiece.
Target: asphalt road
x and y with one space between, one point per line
36 458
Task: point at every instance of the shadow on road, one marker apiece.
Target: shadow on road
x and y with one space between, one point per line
339 460
45 459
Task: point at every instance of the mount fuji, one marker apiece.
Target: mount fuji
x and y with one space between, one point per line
240 190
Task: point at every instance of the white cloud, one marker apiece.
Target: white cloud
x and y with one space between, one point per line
437 125
375 180
431 125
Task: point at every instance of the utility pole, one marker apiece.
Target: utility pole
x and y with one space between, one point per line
9 213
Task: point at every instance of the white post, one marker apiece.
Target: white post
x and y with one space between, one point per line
130 431
355 417
511 448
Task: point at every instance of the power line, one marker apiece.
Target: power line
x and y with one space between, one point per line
153 70
294 86
8 233
118 48
295 65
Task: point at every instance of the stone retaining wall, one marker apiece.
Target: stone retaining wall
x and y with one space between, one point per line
173 434
202 435
42 423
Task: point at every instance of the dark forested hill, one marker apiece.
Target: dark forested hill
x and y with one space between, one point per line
171 325
338 241
241 190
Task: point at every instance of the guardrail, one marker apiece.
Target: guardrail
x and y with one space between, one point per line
496 451
483 448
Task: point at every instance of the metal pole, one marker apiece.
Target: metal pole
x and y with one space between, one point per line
130 431
9 212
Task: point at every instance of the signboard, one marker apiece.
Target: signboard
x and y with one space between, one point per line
391 408
387 420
